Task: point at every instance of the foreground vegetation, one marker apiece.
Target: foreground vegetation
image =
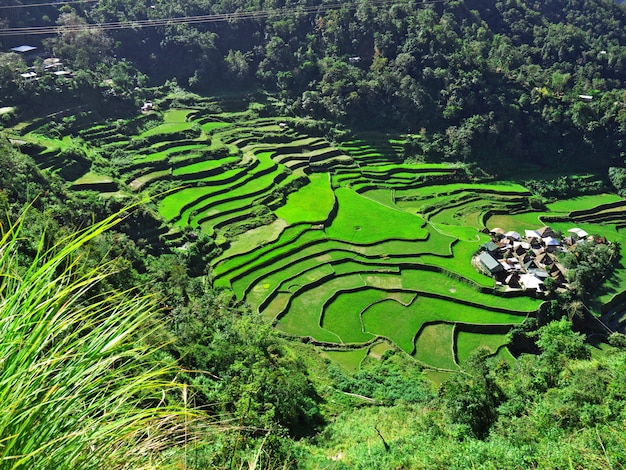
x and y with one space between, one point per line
82 386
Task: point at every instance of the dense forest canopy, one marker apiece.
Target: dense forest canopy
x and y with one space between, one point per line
491 84
482 80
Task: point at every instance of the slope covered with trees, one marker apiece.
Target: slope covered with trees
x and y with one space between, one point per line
486 81
400 111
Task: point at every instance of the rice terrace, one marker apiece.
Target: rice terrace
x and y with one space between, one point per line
344 245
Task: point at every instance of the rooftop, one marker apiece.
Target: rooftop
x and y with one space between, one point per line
23 49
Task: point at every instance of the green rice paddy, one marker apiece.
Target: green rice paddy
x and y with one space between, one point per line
343 244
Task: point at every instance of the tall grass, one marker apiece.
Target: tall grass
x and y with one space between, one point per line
79 386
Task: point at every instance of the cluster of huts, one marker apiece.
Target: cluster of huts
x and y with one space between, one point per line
49 66
526 261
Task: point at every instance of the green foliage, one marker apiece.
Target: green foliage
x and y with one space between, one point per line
565 187
78 43
471 398
81 386
557 340
589 263
391 381
617 175
493 82
493 415
241 369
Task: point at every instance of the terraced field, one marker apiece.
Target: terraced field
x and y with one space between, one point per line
345 245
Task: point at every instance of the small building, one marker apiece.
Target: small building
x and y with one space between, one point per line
515 236
513 280
585 98
62 74
545 231
531 235
354 60
577 233
545 259
29 76
147 106
551 244
525 258
490 263
506 266
531 282
556 268
568 241
559 278
52 63
25 49
530 265
520 248
490 247
505 243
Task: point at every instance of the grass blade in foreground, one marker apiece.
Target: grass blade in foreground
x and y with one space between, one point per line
79 388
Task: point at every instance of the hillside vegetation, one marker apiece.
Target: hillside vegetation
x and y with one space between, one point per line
309 182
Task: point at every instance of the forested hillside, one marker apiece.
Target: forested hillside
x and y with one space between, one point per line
481 80
299 187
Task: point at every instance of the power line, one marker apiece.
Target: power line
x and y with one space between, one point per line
198 19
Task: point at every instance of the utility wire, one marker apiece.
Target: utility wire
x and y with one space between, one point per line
198 19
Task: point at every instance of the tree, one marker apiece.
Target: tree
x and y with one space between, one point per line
11 65
471 398
617 176
79 43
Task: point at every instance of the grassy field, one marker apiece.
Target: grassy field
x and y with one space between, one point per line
401 323
434 346
343 244
350 359
467 343
312 203
363 221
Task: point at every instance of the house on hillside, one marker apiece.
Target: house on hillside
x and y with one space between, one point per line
513 280
51 64
577 234
515 236
558 274
62 74
530 265
28 53
531 282
490 247
520 248
545 259
24 50
490 263
551 244
545 232
29 76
